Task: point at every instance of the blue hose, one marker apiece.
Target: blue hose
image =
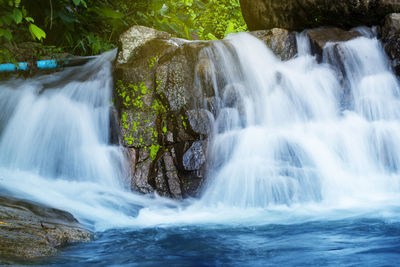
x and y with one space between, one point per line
45 64
42 64
9 67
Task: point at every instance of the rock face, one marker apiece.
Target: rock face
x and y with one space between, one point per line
303 14
320 37
165 94
28 230
391 39
155 91
280 41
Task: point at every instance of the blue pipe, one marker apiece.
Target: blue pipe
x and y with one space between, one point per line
45 64
41 64
9 67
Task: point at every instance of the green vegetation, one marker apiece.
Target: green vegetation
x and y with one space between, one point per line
86 27
137 129
138 114
196 19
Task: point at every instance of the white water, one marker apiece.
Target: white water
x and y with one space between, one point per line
54 143
292 142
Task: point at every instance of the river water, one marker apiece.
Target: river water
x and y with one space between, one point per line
304 162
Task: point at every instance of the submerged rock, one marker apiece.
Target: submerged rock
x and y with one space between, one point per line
30 230
303 14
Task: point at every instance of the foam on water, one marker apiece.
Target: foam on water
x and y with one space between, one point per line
292 141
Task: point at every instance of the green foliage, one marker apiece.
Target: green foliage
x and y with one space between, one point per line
36 32
86 27
196 19
14 25
136 129
154 148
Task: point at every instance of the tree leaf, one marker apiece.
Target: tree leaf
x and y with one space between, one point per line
17 16
29 19
84 3
36 32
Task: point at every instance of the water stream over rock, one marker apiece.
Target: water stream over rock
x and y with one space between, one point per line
291 142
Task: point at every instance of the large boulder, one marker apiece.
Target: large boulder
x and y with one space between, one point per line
321 36
391 39
155 92
29 230
165 95
280 41
303 14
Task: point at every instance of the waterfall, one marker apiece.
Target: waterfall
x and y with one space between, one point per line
54 143
286 134
299 132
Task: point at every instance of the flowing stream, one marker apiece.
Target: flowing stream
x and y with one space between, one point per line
304 162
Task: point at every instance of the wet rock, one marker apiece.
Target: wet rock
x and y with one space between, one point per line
233 97
213 105
195 157
303 14
280 41
141 169
391 25
176 74
162 187
205 70
114 127
139 129
167 181
30 230
161 87
170 137
391 40
171 173
320 37
200 121
130 156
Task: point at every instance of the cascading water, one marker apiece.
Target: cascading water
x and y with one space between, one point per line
291 132
304 162
54 145
320 136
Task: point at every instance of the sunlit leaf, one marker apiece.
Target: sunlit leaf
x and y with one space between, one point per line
36 32
29 19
